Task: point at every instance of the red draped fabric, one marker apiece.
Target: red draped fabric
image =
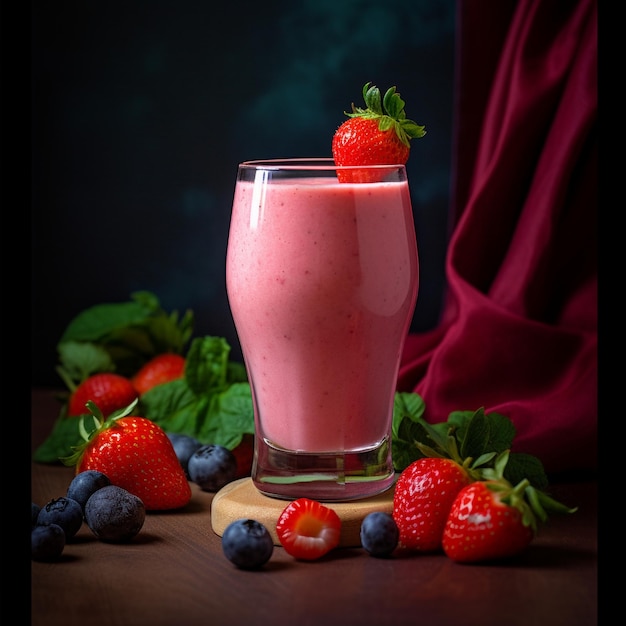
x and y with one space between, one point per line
518 331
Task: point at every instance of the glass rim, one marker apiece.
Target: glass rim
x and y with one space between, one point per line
312 163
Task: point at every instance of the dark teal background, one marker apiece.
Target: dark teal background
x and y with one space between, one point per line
141 111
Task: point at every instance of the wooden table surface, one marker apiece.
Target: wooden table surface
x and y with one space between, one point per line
175 574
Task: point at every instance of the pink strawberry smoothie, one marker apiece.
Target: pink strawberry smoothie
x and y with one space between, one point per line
322 281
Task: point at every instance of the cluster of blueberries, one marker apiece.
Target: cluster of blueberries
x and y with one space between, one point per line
210 466
113 514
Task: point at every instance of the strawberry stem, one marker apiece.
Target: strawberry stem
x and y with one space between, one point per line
100 425
389 112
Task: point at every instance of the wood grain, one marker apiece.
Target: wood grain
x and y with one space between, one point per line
241 499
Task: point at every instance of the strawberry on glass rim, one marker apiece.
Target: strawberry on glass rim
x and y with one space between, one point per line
379 134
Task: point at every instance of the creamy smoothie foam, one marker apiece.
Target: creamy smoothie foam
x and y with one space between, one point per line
322 282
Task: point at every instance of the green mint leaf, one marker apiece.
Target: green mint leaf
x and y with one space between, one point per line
439 440
236 373
130 332
212 403
406 429
406 406
525 466
161 402
482 433
207 365
95 323
502 432
460 419
188 419
80 359
403 448
166 333
60 442
473 434
231 417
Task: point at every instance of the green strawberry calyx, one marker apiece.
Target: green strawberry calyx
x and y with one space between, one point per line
100 425
532 503
389 112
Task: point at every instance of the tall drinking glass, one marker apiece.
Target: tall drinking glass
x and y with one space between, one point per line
322 280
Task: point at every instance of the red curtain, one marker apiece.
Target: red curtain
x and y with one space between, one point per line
518 332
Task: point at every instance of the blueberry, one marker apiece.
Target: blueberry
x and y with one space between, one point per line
184 446
379 534
212 466
114 515
247 544
84 484
47 542
65 512
35 508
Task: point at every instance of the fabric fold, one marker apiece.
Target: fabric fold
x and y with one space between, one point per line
518 331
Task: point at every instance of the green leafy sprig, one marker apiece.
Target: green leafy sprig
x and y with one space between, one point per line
120 337
212 402
472 438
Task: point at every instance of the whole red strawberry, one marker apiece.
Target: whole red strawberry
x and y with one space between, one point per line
109 391
380 134
162 368
488 520
136 454
308 529
423 496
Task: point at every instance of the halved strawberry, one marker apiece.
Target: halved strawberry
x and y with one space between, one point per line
109 391
161 369
308 530
380 134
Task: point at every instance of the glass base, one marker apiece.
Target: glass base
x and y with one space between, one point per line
322 476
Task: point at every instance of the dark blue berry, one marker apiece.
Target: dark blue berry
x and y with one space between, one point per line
65 512
47 542
34 512
247 544
84 484
379 534
114 515
184 446
212 466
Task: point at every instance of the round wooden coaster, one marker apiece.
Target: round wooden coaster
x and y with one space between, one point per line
241 499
